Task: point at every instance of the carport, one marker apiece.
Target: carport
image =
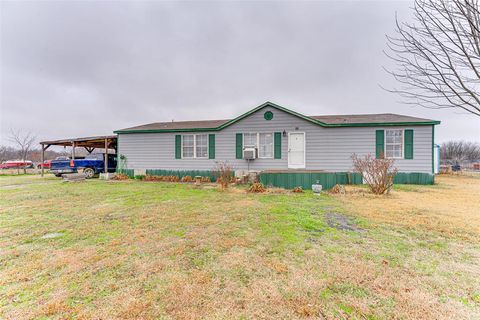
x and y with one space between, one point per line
88 143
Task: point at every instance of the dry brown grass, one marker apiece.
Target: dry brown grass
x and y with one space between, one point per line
138 250
451 207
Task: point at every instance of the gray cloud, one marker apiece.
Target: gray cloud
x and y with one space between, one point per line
82 68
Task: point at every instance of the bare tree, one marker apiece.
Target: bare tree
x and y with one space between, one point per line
457 152
438 55
378 174
24 142
224 172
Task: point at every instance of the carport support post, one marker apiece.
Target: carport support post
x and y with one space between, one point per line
73 150
106 156
42 158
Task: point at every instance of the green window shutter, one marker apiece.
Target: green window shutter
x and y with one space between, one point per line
211 146
277 145
178 146
380 142
408 144
239 146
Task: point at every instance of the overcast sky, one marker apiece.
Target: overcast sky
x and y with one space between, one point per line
71 69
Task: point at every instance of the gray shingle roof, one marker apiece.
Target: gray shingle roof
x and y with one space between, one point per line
368 118
176 125
328 119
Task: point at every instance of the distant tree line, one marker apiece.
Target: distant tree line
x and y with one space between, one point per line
35 155
459 152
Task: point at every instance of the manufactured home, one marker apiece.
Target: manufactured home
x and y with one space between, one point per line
271 139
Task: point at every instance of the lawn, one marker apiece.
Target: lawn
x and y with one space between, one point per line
152 250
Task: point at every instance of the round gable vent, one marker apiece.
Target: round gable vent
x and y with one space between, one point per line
268 115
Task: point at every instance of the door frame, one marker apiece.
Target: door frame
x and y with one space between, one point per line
304 151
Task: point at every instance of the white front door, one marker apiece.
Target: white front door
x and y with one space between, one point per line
296 150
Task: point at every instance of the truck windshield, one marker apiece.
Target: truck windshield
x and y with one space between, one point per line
97 156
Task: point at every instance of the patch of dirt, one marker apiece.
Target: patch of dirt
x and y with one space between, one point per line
13 186
52 235
341 222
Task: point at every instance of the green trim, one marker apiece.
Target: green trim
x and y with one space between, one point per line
278 107
380 144
211 146
268 115
433 149
408 148
178 146
239 145
277 145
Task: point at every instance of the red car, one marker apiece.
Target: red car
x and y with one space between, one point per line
46 164
16 164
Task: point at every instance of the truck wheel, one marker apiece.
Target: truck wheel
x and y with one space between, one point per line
89 173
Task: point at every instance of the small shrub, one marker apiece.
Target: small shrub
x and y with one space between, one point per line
224 173
297 190
140 177
338 188
257 187
187 179
120 176
172 179
377 173
149 177
205 180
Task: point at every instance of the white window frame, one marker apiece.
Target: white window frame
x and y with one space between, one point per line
250 133
402 147
183 142
257 143
273 145
195 146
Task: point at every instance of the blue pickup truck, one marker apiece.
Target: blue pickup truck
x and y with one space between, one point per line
91 165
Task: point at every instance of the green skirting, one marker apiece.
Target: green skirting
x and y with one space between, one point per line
181 173
414 178
290 180
128 172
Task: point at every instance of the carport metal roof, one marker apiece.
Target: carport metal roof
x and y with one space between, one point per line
87 142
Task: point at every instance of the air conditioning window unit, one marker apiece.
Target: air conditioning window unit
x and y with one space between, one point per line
249 153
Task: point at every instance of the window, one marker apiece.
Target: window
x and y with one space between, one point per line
188 143
266 145
195 146
201 146
394 144
262 141
249 140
